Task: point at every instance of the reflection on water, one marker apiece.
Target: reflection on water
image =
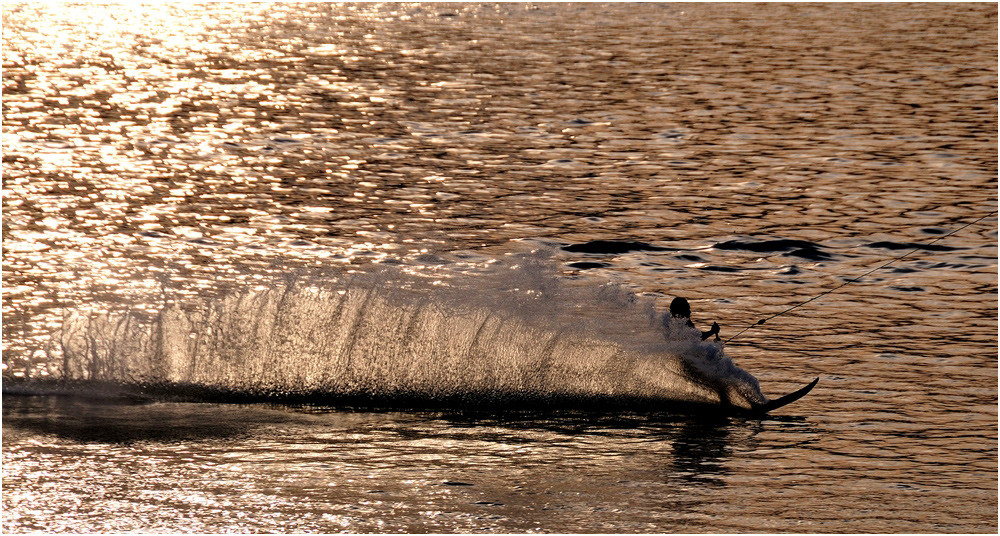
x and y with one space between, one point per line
121 421
753 155
194 147
701 451
311 468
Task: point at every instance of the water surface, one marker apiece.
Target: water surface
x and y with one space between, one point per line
754 155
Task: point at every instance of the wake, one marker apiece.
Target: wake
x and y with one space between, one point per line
514 335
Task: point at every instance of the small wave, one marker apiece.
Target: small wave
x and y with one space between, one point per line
613 247
588 265
796 248
722 269
908 289
896 246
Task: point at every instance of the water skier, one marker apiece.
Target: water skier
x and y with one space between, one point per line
680 308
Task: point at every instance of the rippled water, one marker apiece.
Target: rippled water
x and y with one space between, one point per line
753 156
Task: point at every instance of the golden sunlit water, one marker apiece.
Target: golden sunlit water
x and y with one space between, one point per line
225 195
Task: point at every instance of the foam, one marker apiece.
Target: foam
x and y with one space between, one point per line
513 331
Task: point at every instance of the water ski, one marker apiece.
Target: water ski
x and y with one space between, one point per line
787 399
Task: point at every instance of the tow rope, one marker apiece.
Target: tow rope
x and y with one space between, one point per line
860 277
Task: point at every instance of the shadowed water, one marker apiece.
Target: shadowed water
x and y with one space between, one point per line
171 172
